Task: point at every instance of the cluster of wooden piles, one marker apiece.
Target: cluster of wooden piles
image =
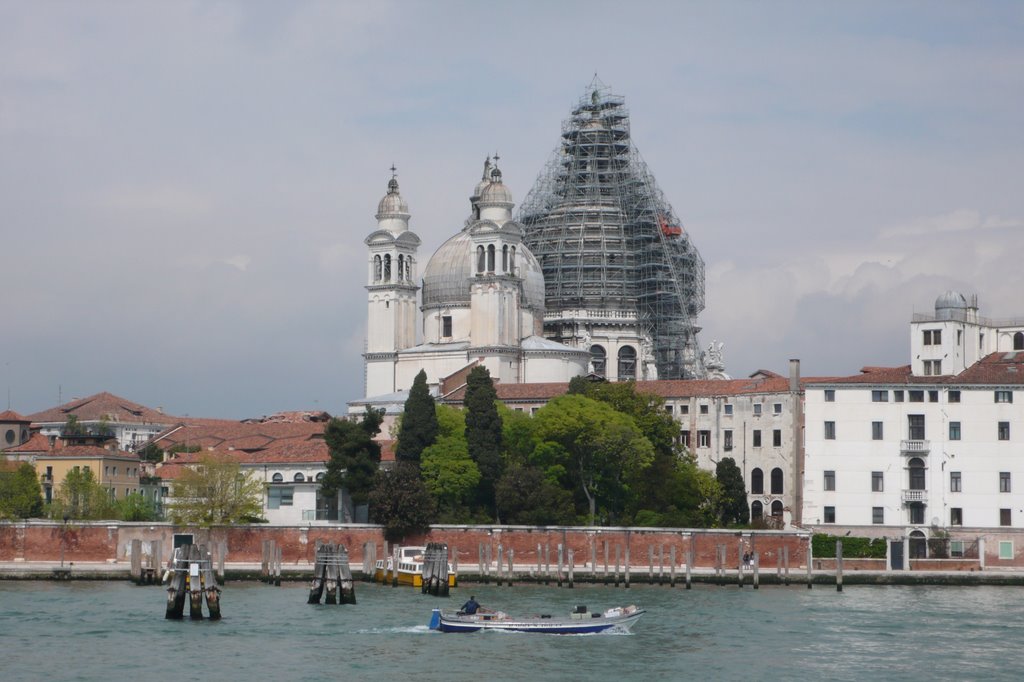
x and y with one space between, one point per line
332 574
191 575
435 569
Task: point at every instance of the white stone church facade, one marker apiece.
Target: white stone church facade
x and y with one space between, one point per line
482 301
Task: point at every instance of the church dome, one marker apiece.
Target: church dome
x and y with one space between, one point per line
951 300
446 279
392 205
496 193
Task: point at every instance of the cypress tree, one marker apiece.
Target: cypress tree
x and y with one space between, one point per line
734 492
419 422
483 432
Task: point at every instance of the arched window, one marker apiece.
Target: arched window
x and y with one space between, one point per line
408 269
504 258
777 509
776 481
376 269
1018 341
757 482
490 258
401 268
387 267
756 510
918 545
599 358
916 470
481 262
320 476
627 363
299 478
277 478
512 261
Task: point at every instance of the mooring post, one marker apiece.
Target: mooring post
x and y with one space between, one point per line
756 561
511 564
626 570
559 575
650 564
689 566
672 566
547 563
222 553
277 576
487 565
810 558
572 563
605 562
136 569
455 566
501 564
739 563
618 550
593 559
540 574
264 560
661 563
839 566
480 559
785 561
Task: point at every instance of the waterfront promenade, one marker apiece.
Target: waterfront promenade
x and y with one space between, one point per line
527 574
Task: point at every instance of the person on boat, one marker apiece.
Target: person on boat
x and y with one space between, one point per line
471 606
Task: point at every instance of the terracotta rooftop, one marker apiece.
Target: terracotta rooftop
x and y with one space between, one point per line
88 452
1003 368
12 416
37 442
100 406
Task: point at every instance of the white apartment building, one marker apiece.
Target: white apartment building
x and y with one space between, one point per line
930 449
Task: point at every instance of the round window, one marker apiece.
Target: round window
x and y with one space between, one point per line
9 436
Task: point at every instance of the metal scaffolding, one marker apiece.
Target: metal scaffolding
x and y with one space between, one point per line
609 243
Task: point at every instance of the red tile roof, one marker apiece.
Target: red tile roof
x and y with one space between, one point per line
12 416
88 452
103 405
250 443
995 369
37 442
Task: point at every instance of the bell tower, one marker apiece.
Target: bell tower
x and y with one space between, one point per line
391 288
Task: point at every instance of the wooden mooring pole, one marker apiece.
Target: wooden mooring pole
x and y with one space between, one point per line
572 564
810 558
839 565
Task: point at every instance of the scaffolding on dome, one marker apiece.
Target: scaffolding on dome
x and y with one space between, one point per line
609 243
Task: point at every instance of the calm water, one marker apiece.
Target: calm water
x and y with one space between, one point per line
117 631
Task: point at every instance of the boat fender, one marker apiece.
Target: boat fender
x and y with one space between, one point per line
545 615
435 619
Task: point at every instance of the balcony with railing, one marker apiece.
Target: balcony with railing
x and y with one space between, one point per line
915 447
915 496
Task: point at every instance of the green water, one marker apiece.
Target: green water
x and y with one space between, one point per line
117 631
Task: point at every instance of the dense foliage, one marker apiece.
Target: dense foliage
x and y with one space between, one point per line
401 503
419 422
354 456
824 547
20 494
80 496
483 434
216 491
734 510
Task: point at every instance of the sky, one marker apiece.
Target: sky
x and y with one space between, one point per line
185 186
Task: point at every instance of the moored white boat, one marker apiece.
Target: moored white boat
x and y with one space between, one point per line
409 570
579 622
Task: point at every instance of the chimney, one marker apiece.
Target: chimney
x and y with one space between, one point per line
794 376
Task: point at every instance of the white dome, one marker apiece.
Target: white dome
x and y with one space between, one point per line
950 299
496 193
446 279
392 205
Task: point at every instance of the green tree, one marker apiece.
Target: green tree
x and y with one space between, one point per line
216 491
517 439
151 453
136 507
447 470
734 493
419 422
72 427
525 496
401 503
354 456
600 450
20 494
483 433
81 496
